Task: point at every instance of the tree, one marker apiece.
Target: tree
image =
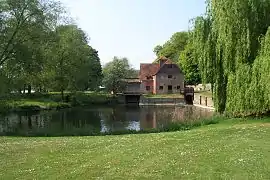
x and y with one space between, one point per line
227 44
189 65
23 30
40 50
157 50
18 15
91 78
173 47
180 50
72 63
114 72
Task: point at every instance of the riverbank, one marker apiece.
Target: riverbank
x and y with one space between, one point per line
232 149
50 101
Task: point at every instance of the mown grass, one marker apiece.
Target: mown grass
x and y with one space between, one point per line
233 149
30 104
204 93
20 102
164 95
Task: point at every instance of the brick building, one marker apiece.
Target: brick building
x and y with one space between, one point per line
162 77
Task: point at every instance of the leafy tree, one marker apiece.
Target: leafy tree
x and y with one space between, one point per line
173 47
91 71
189 65
72 62
157 50
114 72
41 50
18 15
180 50
227 43
24 25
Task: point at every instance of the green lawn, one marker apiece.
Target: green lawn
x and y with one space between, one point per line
18 102
164 96
239 150
205 93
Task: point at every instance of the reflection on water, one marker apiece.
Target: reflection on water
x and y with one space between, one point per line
85 121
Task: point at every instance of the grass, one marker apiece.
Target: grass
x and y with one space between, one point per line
233 149
164 96
30 104
205 93
53 100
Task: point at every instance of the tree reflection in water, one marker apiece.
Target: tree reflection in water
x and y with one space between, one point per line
85 121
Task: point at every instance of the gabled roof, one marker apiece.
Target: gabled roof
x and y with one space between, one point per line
166 64
148 70
151 69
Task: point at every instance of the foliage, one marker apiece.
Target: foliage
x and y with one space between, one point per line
227 42
173 47
189 65
181 51
41 50
180 155
73 64
254 81
115 72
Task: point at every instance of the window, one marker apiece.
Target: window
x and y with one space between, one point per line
160 87
147 88
170 66
178 87
169 76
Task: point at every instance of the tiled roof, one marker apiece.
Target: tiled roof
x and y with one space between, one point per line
148 70
152 69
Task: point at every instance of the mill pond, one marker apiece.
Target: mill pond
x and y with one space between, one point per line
85 121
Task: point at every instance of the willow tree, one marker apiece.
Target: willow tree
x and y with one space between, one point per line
227 41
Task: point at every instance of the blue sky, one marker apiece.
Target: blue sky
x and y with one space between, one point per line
132 28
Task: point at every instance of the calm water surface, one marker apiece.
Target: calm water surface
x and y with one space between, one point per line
83 121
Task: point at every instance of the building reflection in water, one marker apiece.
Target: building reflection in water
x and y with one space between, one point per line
83 121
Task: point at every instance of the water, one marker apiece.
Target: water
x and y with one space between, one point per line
85 121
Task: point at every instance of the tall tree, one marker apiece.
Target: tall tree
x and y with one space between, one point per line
114 72
40 50
18 15
189 65
157 50
173 47
24 25
70 60
227 42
